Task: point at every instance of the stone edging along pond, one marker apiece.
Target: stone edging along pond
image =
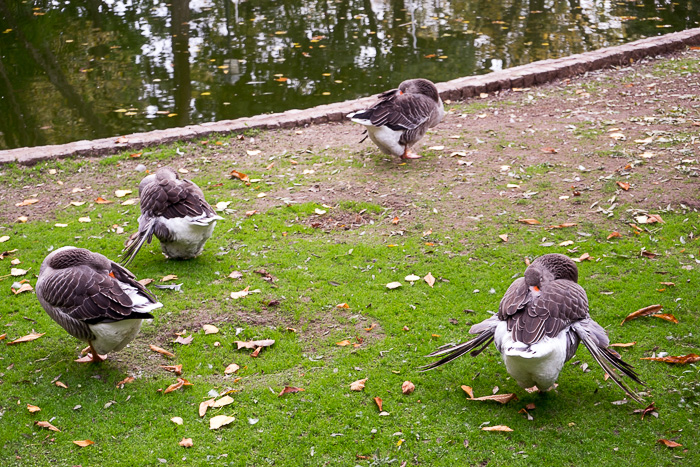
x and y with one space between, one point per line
462 88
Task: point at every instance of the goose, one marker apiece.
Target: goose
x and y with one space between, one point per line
540 321
402 116
93 299
175 211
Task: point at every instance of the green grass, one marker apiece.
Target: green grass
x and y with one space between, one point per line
328 424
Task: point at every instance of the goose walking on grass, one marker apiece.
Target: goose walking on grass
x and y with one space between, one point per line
175 211
402 116
94 299
540 322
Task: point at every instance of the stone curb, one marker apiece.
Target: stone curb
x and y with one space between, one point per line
521 76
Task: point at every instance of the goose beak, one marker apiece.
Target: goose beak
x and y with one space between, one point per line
534 288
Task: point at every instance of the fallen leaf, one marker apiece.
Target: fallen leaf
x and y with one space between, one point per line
289 389
564 225
210 329
122 193
250 213
617 136
127 380
628 344
27 338
614 235
177 420
177 369
61 385
529 221
219 421
393 285
666 316
502 398
583 257
4 238
358 385
101 200
221 205
651 309
549 150
496 428
503 237
429 279
203 406
145 281
254 344
395 220
184 340
648 409
155 348
240 294
22 219
235 275
253 152
27 202
624 185
649 254
343 343
241 176
32 408
175 386
16 272
84 220
186 442
26 287
378 401
468 390
372 326
669 443
84 443
232 368
169 277
680 360
44 424
408 387
342 305
226 400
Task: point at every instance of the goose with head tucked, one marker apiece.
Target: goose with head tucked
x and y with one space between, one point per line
541 320
402 116
175 211
93 299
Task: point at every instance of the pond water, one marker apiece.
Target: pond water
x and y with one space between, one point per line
83 69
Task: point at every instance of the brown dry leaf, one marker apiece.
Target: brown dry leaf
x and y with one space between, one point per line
680 360
614 235
670 284
653 218
496 428
378 401
358 385
184 340
564 225
27 202
210 329
84 443
177 369
289 389
160 350
32 408
503 237
651 309
549 150
3 337
26 287
169 277
61 385
374 325
649 254
251 213
232 368
624 185
175 386
502 398
667 317
669 443
256 352
240 294
203 406
186 442
649 409
219 421
44 424
429 279
468 390
254 344
145 282
530 406
177 420
628 344
241 176
408 387
226 400
529 221
101 200
342 305
343 343
127 380
27 338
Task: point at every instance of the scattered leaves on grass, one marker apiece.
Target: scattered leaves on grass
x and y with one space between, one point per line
408 387
669 443
680 360
289 389
232 368
83 443
496 428
529 221
358 385
177 420
203 406
429 279
184 340
177 369
393 285
127 380
564 225
26 287
220 420
379 402
48 425
254 344
651 309
226 400
186 442
210 329
160 350
27 338
32 408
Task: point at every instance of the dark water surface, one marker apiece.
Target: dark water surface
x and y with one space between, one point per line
83 69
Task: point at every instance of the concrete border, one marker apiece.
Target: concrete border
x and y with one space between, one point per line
462 88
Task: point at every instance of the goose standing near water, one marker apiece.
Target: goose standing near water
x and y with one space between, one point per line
540 322
94 299
175 211
402 116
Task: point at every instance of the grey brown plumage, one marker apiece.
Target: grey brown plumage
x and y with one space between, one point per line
541 320
176 212
401 117
93 299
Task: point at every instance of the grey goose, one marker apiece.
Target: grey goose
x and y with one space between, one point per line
175 211
540 321
402 116
94 299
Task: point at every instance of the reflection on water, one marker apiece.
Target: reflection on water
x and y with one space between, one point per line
83 69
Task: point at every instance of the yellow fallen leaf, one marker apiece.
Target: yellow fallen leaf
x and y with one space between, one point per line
84 443
177 420
203 406
226 400
122 193
232 368
4 238
343 343
27 338
160 350
358 385
32 408
220 420
210 329
496 428
342 305
469 391
169 277
27 202
84 219
44 424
